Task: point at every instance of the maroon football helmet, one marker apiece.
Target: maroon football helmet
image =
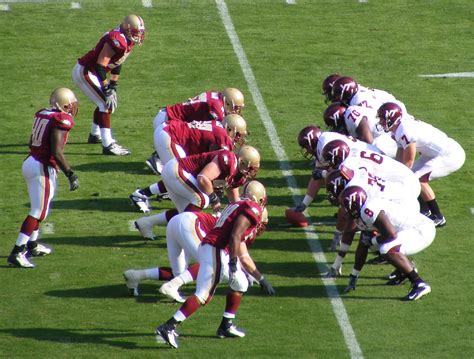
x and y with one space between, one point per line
335 152
334 117
343 89
327 86
353 198
335 183
389 114
308 140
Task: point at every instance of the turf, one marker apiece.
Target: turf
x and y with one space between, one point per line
74 304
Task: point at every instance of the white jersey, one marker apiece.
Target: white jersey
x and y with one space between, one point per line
415 231
384 167
354 145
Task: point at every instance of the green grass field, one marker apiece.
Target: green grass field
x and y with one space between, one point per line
74 303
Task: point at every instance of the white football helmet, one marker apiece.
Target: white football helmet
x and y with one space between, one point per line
233 101
236 128
64 100
134 28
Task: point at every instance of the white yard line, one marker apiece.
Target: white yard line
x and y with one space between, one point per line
75 5
317 252
47 228
452 74
147 3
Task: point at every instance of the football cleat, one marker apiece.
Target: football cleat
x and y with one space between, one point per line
93 139
38 250
396 277
140 201
417 292
167 335
296 218
19 260
145 228
230 331
438 222
377 260
154 164
171 291
131 281
333 272
163 197
114 149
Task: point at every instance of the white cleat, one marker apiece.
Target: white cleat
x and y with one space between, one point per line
145 228
333 272
154 164
171 291
114 149
140 201
39 250
19 260
131 281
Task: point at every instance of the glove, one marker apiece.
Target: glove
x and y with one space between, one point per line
319 174
266 286
73 181
368 238
352 283
110 92
300 208
215 202
232 271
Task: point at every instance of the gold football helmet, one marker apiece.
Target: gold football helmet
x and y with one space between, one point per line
248 161
255 191
64 100
134 28
233 101
236 128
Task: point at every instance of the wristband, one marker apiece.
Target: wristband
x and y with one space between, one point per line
116 70
113 84
213 198
307 200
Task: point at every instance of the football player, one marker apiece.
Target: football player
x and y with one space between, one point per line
91 75
311 141
381 177
179 139
195 182
184 233
49 135
208 106
223 253
359 122
439 155
400 231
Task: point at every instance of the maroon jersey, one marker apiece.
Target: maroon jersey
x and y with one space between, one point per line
204 107
226 159
220 235
199 137
45 120
119 43
204 223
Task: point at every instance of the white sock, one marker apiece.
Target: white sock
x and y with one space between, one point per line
337 262
229 315
106 134
158 219
34 236
152 273
355 272
95 129
22 240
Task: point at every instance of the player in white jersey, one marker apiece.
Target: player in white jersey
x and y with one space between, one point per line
381 177
359 122
400 231
439 155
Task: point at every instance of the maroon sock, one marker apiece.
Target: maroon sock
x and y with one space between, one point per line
29 225
232 302
194 269
190 306
165 273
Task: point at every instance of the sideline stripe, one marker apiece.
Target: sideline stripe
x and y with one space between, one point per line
311 236
452 74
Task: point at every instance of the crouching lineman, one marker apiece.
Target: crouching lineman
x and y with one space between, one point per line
49 135
400 231
228 236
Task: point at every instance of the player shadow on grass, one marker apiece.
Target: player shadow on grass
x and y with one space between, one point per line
103 336
123 241
137 168
95 203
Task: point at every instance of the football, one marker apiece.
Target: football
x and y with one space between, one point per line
296 218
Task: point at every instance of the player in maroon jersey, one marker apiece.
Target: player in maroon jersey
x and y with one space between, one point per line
208 106
195 182
90 74
48 137
222 254
177 139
